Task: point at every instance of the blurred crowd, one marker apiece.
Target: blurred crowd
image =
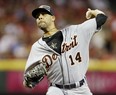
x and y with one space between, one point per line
18 30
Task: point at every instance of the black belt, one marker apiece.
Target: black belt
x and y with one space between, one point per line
70 86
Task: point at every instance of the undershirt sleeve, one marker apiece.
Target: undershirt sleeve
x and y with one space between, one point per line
100 19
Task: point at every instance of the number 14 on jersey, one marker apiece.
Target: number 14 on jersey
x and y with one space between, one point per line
75 58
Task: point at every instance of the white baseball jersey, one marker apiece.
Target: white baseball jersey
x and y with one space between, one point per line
71 65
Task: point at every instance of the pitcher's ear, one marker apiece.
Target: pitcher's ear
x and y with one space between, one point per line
53 18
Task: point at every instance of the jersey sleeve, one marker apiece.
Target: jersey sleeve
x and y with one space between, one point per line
100 19
34 56
88 28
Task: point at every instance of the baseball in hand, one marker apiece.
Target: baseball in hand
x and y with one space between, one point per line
89 14
93 13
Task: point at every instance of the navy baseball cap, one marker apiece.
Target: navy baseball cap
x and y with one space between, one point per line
42 8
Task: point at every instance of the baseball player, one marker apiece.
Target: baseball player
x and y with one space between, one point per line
62 55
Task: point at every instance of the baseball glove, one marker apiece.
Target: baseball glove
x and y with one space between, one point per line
34 75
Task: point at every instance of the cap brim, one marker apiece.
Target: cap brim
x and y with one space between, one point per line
39 10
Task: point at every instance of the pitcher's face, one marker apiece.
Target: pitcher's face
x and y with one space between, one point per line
44 20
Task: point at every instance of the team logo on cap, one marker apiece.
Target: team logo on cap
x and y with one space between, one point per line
45 7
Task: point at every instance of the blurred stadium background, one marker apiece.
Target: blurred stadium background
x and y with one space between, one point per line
18 31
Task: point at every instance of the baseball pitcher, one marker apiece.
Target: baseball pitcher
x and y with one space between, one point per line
62 55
